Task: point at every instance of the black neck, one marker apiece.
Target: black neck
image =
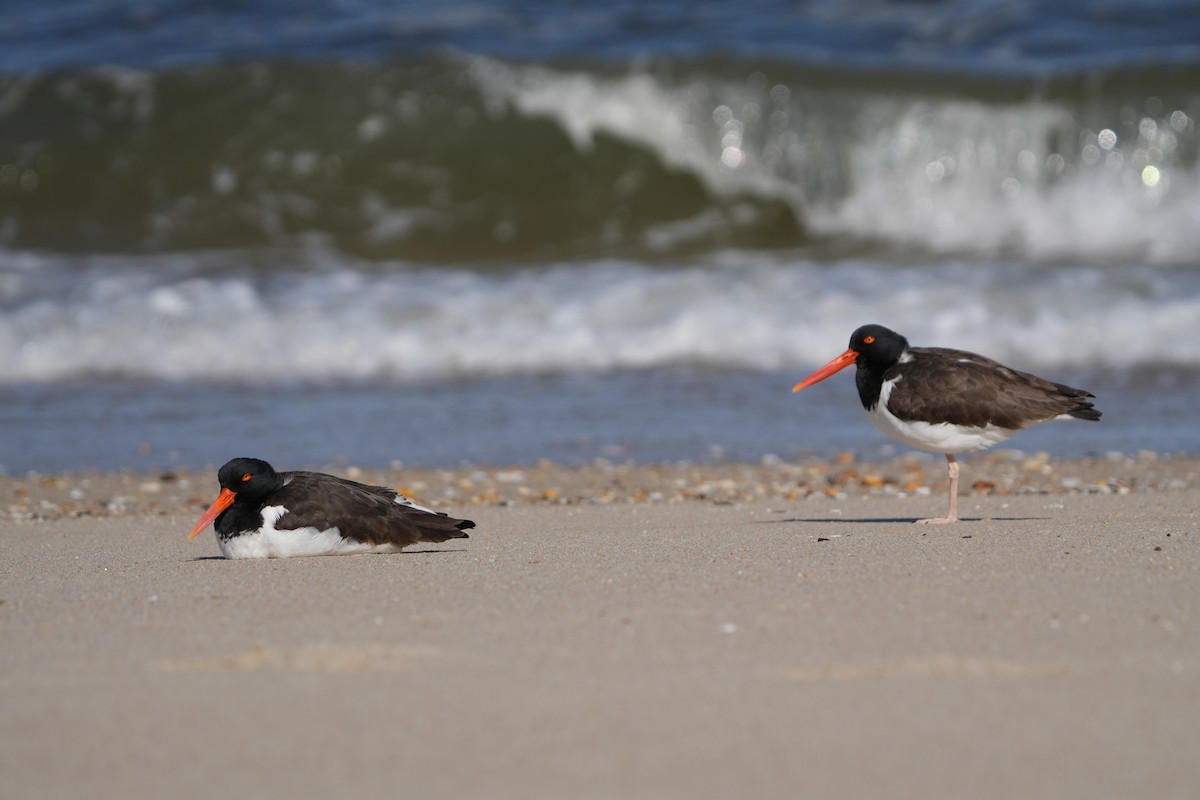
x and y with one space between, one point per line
870 384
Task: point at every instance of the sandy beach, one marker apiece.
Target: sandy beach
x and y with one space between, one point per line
675 631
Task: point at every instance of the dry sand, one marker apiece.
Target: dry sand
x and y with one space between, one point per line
683 631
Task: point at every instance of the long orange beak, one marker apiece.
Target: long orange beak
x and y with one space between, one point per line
223 501
841 362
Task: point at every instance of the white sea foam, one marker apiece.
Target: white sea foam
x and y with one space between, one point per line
158 320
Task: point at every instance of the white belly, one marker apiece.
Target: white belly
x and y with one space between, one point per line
269 542
930 436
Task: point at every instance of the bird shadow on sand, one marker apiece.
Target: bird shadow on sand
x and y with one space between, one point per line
878 520
401 553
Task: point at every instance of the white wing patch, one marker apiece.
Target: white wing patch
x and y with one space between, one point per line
269 542
401 500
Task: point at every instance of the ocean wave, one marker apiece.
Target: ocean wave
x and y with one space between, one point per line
737 309
454 159
1037 178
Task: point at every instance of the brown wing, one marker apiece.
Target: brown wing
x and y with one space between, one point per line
364 513
975 391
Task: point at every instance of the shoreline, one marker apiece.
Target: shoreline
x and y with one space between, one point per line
907 479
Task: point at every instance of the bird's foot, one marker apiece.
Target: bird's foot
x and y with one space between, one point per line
936 521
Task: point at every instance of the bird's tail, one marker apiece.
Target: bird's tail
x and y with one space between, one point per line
1083 408
439 528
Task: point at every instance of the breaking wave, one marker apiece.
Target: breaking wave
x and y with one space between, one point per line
738 309
459 158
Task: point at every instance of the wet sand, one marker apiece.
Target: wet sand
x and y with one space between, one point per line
764 630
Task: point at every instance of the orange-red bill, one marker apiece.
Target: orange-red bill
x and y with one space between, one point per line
223 501
841 362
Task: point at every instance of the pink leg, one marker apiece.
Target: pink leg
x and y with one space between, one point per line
952 516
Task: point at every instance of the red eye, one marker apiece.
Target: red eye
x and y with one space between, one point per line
866 340
246 477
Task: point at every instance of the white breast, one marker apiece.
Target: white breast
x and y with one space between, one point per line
269 542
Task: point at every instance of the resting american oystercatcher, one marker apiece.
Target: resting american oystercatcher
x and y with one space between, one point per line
262 513
947 401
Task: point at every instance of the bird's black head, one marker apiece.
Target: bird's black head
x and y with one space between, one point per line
878 348
244 481
249 477
873 349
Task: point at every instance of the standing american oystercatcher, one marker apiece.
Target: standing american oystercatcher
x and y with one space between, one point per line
262 513
947 401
